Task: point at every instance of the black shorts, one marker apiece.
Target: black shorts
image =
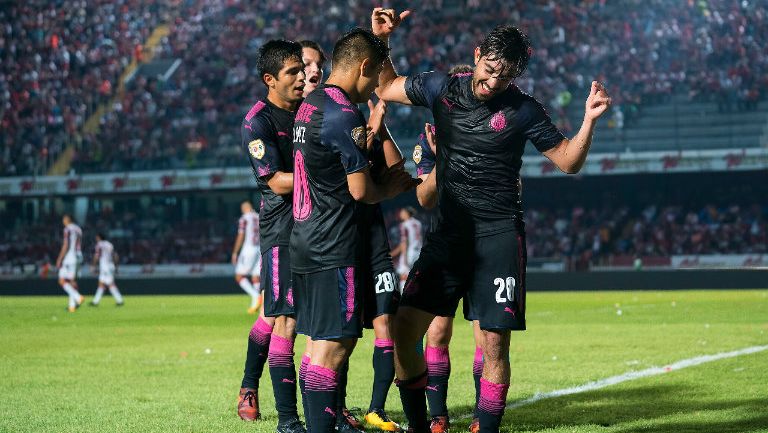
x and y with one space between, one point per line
276 282
487 271
379 295
329 304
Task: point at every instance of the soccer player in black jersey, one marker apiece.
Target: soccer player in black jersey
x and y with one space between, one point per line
477 250
267 138
331 175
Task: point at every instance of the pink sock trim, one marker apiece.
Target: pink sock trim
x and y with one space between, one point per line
437 355
478 354
263 326
260 332
381 342
320 378
493 397
281 345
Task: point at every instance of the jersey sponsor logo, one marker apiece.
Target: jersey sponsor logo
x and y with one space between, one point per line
256 148
498 122
417 152
358 136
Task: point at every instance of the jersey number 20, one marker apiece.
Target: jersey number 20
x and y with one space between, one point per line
503 285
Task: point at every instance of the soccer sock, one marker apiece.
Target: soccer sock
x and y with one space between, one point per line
477 373
74 295
341 390
414 402
256 287
246 285
99 294
438 370
321 387
258 349
303 387
116 294
490 408
383 372
283 374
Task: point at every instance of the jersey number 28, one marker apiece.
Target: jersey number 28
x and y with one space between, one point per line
385 282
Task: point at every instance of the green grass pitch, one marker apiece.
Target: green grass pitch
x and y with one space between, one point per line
173 364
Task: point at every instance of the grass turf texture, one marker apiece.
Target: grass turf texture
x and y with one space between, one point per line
146 367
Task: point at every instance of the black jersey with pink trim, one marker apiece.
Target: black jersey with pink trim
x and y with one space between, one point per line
480 149
266 137
328 137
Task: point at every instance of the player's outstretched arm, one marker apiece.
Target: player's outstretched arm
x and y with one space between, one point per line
391 86
570 155
378 128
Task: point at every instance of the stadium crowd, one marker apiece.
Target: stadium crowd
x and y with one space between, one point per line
60 60
574 234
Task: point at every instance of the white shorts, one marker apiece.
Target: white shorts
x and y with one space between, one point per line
68 269
405 262
107 275
249 262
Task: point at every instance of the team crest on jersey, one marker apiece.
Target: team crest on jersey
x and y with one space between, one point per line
256 148
358 136
417 154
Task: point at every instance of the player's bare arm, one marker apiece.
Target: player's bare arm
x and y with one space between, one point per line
394 181
378 128
238 245
569 155
63 252
426 192
391 86
280 182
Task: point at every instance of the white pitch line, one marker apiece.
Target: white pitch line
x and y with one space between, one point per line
633 375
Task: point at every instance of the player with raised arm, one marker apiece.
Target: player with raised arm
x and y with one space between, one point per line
246 255
266 132
331 175
69 260
105 257
477 250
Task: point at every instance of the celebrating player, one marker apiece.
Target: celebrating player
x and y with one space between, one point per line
70 258
105 257
267 136
477 250
331 174
246 255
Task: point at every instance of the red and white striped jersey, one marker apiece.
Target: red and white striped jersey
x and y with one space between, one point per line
74 236
249 224
410 232
104 251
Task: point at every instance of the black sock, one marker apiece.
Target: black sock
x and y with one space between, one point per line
322 387
341 391
438 371
383 372
258 348
490 408
477 373
283 374
303 387
415 402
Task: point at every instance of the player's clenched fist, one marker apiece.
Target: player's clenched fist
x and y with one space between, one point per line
597 102
384 21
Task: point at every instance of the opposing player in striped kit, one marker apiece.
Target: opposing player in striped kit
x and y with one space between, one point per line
69 260
246 255
105 257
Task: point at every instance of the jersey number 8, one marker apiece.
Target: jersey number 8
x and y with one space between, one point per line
509 285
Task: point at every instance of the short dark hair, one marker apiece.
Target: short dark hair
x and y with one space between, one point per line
315 46
273 55
460 69
510 45
358 44
101 236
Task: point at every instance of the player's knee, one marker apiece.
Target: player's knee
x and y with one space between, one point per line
238 278
440 332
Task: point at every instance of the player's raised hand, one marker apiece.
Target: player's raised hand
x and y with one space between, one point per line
597 102
376 119
429 133
385 21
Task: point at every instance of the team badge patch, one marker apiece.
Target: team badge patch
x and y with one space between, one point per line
417 154
256 148
358 136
